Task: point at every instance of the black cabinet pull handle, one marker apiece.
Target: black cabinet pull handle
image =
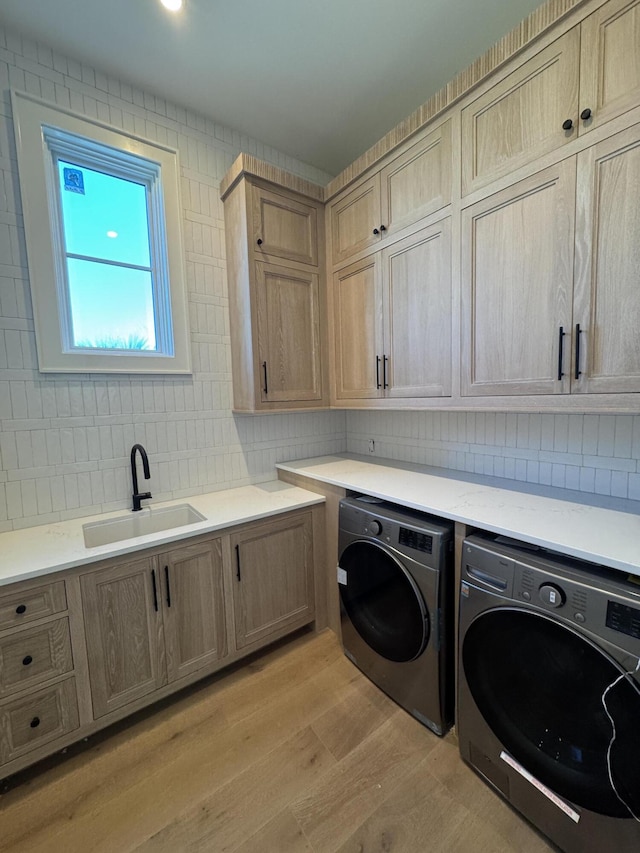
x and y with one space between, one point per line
27 660
266 385
35 722
578 333
383 227
560 347
375 231
155 590
166 578
259 241
385 384
378 372
567 124
21 608
238 575
585 114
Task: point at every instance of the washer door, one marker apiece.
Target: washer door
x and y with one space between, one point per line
539 686
383 602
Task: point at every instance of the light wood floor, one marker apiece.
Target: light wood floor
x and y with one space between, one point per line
294 753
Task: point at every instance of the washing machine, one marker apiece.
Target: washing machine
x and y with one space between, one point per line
395 578
549 690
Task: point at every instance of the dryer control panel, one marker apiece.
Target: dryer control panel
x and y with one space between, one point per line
588 595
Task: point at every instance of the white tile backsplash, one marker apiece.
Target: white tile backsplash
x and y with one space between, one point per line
65 441
591 453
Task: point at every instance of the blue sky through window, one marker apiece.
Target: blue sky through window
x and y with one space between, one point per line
105 218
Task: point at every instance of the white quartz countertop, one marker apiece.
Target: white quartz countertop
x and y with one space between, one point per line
50 548
539 515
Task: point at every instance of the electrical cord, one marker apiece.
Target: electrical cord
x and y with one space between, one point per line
613 737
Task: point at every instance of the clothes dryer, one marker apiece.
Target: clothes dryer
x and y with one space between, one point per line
549 691
395 579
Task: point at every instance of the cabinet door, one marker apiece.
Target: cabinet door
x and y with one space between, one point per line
609 63
357 303
417 302
355 220
193 609
123 627
288 305
418 182
517 281
520 118
607 290
284 227
273 590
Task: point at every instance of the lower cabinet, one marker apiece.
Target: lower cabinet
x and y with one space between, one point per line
273 589
152 621
95 643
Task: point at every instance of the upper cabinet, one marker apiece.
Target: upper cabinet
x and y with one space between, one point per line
550 279
413 185
284 227
582 80
606 319
610 61
275 262
392 319
530 112
517 269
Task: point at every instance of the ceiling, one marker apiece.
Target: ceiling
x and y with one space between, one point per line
322 81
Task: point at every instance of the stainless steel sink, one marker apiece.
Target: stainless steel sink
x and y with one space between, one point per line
148 520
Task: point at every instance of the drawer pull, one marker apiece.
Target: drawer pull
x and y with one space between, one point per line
26 661
21 608
35 722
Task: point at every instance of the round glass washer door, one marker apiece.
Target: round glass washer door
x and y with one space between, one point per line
383 602
539 686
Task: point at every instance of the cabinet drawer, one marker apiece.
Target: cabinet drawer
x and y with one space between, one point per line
38 719
34 655
19 607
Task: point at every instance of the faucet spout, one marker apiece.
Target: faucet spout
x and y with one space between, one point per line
139 496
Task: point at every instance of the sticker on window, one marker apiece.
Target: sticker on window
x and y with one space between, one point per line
548 793
342 576
73 180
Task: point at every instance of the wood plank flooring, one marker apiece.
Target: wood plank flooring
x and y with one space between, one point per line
294 752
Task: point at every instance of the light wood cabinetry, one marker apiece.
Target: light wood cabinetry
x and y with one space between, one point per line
550 299
392 319
284 226
100 642
521 117
609 66
413 185
38 695
123 624
357 329
277 311
152 621
289 344
273 589
584 79
606 315
29 723
193 611
517 269
417 306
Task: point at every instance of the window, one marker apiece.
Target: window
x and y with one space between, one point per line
102 221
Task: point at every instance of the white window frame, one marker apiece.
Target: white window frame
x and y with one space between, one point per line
45 133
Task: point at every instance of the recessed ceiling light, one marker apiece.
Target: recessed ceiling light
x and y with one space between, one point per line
112 234
172 5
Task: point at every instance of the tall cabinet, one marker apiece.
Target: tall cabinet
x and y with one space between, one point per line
275 259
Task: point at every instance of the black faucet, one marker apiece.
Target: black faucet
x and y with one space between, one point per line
137 496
